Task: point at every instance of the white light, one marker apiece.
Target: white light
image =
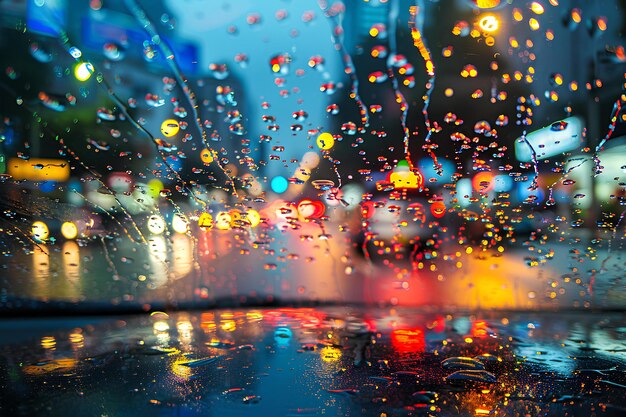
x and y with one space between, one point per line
83 71
463 189
554 140
156 224
180 223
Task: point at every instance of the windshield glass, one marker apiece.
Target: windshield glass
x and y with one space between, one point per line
205 153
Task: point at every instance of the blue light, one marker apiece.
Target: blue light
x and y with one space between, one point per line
47 186
523 192
279 184
427 168
502 183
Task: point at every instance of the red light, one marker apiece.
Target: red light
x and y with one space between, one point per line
367 209
408 340
311 209
438 209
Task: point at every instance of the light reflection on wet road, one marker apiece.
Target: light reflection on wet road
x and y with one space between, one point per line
226 266
330 361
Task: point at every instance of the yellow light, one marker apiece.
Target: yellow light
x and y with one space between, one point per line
54 365
229 325
207 156
156 224
48 342
205 221
69 230
180 224
536 7
533 23
489 23
373 32
170 127
222 220
235 218
330 354
325 141
154 187
554 96
180 369
303 174
76 338
38 169
40 231
517 15
486 4
253 217
83 71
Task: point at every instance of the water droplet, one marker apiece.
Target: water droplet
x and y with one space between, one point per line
482 127
75 52
113 51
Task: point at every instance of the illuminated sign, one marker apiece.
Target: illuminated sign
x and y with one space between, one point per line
39 169
47 18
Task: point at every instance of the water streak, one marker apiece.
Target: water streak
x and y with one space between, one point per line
416 24
333 14
147 25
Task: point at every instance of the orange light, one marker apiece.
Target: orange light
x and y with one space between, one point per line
483 182
39 169
480 329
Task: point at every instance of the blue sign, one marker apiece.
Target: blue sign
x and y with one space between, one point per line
124 30
47 17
